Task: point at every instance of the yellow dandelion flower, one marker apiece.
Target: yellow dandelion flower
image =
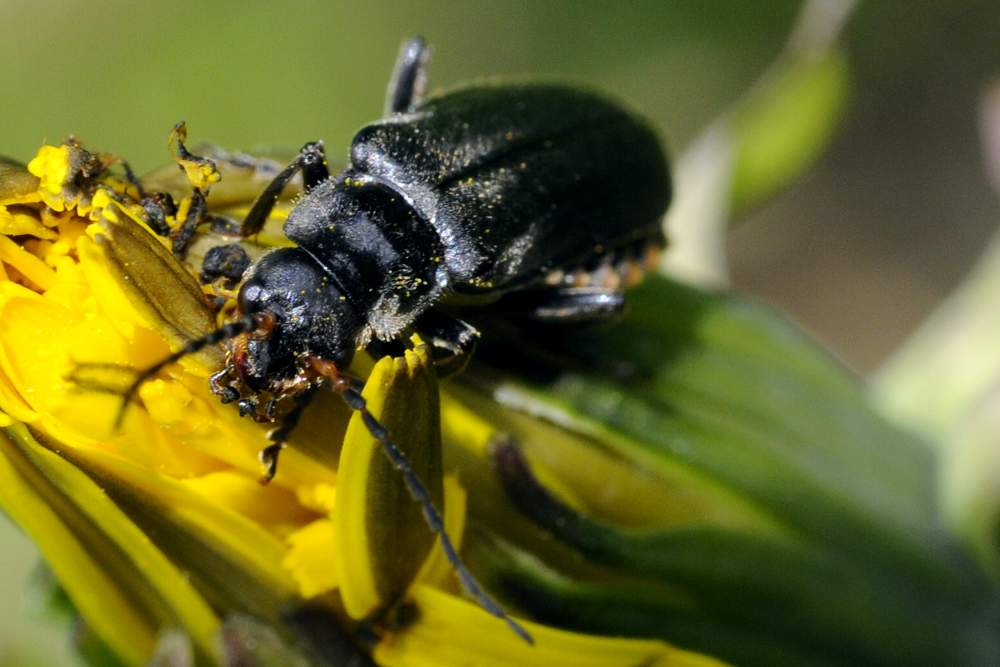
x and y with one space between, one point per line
160 526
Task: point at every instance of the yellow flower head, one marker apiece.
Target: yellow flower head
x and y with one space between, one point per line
161 524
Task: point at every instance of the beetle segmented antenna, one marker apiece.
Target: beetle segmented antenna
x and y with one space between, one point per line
432 516
233 329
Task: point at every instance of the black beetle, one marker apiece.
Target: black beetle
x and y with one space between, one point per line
538 201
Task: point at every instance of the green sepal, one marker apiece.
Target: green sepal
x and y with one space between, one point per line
855 562
785 591
15 180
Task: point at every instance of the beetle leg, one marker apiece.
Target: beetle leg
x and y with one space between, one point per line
564 305
221 382
452 340
409 76
311 161
133 180
280 434
158 205
197 214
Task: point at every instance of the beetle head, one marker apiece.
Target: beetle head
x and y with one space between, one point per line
307 317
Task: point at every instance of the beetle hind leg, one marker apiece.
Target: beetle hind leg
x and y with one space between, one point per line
564 305
409 76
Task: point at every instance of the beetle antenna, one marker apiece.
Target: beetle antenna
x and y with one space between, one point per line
233 329
432 516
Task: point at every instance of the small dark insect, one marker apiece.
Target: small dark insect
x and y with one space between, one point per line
536 201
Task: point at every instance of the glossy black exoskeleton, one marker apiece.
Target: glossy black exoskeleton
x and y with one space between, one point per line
532 197
539 201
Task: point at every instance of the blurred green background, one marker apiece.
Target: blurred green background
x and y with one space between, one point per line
859 251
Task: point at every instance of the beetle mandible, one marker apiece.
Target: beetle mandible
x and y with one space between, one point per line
539 201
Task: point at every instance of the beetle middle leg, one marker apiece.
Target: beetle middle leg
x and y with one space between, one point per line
311 161
452 340
409 76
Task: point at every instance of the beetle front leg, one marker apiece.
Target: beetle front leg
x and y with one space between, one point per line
197 214
409 76
280 434
311 161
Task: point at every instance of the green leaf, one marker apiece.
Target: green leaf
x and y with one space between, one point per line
783 127
847 555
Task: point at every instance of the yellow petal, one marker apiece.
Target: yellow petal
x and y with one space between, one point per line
11 401
30 266
160 290
40 343
121 583
311 557
233 560
382 535
271 506
51 166
451 631
319 497
16 223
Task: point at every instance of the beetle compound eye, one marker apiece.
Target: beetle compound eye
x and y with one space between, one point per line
250 296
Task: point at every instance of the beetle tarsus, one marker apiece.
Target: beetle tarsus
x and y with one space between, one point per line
280 435
269 460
